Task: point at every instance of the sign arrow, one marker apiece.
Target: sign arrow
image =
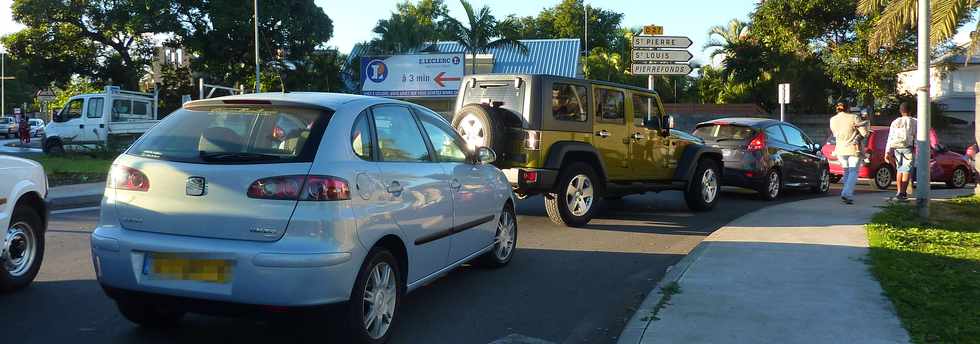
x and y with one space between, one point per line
662 55
660 69
677 42
440 78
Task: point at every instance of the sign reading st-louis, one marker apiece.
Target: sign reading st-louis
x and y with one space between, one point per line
412 76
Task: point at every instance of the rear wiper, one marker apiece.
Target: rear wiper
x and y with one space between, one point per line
236 156
725 139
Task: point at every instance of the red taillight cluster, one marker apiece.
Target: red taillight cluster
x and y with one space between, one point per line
757 143
301 188
127 178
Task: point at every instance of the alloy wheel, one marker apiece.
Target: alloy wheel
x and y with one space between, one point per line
959 177
774 184
472 130
506 229
883 177
824 181
380 299
19 249
709 186
579 195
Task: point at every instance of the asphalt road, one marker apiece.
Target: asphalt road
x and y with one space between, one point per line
564 285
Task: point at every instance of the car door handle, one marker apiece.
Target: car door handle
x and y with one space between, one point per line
455 184
395 188
81 126
602 133
102 125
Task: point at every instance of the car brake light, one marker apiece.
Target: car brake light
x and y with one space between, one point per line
127 178
301 188
758 142
530 177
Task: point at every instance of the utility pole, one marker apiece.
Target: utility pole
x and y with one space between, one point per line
586 5
922 134
255 19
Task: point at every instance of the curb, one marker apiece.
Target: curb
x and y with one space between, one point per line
75 202
636 327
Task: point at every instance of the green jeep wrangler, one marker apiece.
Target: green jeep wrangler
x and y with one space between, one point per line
577 140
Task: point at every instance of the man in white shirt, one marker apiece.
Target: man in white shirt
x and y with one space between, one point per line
901 144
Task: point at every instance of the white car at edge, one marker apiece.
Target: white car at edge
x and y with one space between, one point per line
23 219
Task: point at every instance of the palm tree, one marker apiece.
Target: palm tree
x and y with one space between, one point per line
736 32
479 36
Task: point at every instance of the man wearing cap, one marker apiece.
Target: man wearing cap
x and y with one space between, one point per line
849 130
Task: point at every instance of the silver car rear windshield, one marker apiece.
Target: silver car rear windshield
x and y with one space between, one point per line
235 135
722 132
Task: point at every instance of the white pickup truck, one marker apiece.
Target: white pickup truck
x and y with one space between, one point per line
88 120
23 221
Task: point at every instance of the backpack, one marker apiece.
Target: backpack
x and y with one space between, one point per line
901 134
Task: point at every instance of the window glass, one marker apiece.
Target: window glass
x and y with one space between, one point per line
399 138
773 134
445 141
140 109
121 110
719 132
360 137
246 134
609 105
568 102
646 112
94 108
74 109
794 137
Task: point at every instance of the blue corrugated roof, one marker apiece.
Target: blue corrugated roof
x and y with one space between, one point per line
544 56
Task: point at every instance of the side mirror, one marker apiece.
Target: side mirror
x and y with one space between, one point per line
485 155
816 147
667 125
940 148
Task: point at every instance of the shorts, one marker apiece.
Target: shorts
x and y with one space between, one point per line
904 160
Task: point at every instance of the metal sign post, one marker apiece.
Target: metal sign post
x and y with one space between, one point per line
922 186
783 100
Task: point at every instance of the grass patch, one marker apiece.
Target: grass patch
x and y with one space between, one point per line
667 291
931 270
74 168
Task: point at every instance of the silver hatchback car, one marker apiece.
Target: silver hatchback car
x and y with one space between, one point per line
289 200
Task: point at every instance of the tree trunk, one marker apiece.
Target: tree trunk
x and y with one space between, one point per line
473 64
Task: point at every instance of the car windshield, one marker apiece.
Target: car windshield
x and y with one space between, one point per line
235 135
723 132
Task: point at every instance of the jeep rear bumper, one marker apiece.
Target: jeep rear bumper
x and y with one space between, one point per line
530 181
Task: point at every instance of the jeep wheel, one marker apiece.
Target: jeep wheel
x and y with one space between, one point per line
574 203
477 125
704 187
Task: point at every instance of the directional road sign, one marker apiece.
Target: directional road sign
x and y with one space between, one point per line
660 69
45 95
661 55
676 42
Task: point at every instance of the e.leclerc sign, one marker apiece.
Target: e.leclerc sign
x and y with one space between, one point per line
412 76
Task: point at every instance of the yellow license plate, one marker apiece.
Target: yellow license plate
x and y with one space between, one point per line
174 267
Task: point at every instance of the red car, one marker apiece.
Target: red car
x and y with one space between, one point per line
945 166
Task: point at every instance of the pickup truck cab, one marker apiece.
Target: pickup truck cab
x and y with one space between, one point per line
88 120
23 221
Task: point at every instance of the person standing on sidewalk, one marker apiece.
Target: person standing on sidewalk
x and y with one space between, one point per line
899 151
849 130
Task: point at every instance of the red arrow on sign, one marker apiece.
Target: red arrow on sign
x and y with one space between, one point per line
440 78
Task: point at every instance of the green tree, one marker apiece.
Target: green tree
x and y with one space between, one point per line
603 64
481 33
567 20
410 26
897 17
721 38
219 35
108 40
175 82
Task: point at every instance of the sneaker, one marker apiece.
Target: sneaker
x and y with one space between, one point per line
902 197
846 200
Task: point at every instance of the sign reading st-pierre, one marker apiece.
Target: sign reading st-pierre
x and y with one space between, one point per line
412 75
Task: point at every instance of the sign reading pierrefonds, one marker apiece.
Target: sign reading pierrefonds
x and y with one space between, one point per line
675 42
660 69
412 76
662 55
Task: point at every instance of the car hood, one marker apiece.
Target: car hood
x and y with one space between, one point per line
11 162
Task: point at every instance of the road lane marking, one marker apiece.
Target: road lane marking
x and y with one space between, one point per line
75 210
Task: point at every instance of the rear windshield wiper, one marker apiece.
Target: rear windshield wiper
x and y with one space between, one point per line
236 156
726 139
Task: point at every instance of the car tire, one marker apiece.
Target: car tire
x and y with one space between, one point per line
959 178
705 186
148 314
823 185
380 273
772 187
25 236
577 184
883 177
505 241
834 178
481 125
53 146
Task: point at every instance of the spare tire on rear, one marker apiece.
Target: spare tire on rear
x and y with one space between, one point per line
482 126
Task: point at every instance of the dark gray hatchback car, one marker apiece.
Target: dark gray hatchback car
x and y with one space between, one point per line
766 155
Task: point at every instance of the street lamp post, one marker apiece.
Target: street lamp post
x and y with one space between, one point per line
922 132
255 19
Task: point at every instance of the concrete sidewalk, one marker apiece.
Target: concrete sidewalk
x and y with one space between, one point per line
790 273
